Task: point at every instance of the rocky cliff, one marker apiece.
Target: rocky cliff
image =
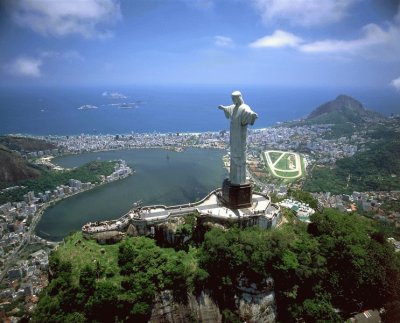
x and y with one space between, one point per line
195 309
256 302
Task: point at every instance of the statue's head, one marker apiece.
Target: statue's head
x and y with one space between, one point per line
237 98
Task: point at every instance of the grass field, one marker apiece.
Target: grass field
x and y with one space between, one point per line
289 165
283 163
83 252
286 174
274 156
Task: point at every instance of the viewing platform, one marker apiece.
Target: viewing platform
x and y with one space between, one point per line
261 212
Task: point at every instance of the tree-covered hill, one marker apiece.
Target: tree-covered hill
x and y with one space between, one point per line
14 168
107 283
338 265
376 169
25 144
48 180
341 110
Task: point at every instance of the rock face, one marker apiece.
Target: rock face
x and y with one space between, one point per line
256 303
195 309
132 231
108 237
343 109
168 230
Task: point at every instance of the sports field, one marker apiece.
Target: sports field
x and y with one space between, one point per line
282 164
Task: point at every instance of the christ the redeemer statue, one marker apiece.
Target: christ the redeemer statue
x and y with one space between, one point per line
240 116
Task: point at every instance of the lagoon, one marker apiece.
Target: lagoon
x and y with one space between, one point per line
161 177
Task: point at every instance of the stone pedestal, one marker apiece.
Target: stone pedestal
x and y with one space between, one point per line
236 196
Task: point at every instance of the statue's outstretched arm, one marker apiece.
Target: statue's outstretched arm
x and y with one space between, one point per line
248 118
226 109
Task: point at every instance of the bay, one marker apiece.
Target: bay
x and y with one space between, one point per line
161 177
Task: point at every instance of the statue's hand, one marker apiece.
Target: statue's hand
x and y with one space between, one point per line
221 107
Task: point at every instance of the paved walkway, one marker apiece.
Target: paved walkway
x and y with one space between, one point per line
210 206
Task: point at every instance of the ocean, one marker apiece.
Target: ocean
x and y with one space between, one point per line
55 110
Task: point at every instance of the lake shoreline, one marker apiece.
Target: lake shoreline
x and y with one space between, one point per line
164 187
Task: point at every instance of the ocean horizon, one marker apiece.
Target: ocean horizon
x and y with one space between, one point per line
145 109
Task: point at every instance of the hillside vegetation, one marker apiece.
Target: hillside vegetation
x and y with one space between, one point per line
322 272
341 110
50 179
25 144
112 282
376 169
14 168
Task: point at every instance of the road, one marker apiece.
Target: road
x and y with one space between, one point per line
24 242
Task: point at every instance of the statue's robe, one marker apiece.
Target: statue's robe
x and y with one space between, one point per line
240 117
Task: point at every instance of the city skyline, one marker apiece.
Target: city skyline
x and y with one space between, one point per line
304 43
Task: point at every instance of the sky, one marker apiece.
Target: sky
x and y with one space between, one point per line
302 43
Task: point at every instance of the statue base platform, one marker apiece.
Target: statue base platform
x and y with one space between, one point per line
236 196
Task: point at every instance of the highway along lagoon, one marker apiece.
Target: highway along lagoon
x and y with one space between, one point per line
161 177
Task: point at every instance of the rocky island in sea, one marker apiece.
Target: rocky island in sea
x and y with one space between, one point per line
87 107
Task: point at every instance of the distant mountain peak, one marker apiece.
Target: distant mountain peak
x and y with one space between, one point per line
345 99
342 109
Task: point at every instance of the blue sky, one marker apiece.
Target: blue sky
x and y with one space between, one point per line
303 43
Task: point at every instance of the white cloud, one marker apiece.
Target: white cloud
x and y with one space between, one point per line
373 35
87 18
31 65
396 83
24 66
375 41
303 12
223 41
279 38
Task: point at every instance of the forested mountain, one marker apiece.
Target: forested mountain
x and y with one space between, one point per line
25 144
341 110
338 265
14 168
377 168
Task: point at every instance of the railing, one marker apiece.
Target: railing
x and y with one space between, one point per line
172 211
